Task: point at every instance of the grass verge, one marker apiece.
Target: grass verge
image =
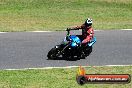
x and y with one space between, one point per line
58 78
41 15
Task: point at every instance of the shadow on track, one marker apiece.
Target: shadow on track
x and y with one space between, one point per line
67 59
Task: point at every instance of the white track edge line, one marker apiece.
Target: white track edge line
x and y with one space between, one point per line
55 31
40 31
127 29
3 32
80 30
66 67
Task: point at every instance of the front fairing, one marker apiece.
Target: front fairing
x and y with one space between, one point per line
73 40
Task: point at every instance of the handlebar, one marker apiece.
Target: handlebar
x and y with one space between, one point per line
68 36
68 31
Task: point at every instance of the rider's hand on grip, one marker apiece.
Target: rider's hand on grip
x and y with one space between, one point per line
68 29
68 38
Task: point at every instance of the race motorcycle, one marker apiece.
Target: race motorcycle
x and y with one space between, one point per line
70 48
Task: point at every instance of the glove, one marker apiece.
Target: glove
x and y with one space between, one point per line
68 29
68 38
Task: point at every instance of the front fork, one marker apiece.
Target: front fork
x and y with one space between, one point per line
60 49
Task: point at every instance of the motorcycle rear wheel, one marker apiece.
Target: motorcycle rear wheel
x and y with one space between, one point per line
88 51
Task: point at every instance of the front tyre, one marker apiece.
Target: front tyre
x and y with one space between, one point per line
53 53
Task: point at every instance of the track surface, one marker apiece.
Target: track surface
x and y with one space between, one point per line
29 50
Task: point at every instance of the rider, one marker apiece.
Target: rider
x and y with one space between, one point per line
87 31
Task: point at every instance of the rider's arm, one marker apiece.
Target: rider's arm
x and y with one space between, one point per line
86 40
78 27
91 32
90 35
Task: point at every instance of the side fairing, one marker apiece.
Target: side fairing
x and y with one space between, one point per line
92 42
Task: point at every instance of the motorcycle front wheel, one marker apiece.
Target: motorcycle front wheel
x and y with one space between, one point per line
53 53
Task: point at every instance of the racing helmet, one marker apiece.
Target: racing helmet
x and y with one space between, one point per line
88 22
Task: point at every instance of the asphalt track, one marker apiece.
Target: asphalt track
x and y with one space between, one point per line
29 49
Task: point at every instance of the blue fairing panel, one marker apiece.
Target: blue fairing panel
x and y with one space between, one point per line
75 40
92 41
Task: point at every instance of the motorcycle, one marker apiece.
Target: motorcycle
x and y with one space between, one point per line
70 48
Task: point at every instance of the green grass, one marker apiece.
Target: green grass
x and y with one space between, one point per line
41 15
58 78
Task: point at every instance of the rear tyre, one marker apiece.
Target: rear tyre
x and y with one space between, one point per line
88 51
81 56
